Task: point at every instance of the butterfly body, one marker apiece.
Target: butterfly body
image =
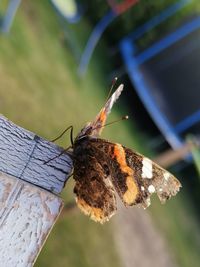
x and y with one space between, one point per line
103 169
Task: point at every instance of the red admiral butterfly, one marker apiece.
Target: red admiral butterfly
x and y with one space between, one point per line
102 169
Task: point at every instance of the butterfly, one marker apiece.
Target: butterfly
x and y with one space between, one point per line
103 169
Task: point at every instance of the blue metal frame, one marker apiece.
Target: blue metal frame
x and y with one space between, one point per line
132 61
158 19
9 16
168 41
93 40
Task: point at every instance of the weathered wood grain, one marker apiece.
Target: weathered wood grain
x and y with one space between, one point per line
22 154
27 214
27 210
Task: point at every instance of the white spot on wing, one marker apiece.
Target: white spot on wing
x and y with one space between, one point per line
142 188
166 176
147 171
151 189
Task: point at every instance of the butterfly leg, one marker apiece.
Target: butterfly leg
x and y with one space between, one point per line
57 156
71 174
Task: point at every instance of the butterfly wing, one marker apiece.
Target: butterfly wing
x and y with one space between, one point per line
94 192
99 122
135 177
151 178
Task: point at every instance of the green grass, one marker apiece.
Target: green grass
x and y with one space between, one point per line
39 90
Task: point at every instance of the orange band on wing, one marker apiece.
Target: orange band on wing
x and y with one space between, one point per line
96 214
103 116
130 195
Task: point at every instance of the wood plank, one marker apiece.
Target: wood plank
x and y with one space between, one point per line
27 214
27 210
23 154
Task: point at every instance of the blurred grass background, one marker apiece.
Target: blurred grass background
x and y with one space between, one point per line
40 91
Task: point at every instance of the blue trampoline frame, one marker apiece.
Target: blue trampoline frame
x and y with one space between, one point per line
9 16
132 62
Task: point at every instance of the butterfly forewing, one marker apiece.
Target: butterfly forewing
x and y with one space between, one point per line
99 122
134 176
151 178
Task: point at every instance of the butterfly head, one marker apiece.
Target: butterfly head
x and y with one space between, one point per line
85 132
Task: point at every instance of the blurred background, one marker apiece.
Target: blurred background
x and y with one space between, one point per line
57 61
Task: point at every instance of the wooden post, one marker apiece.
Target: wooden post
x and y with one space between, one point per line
29 204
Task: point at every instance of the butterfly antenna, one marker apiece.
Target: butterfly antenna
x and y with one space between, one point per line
121 119
111 88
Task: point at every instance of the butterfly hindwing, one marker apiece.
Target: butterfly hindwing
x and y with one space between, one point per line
94 192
